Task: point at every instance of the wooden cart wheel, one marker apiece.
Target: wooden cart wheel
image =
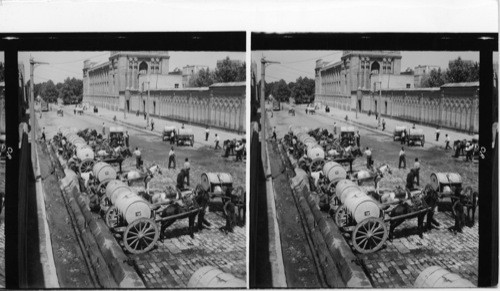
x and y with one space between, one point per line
140 236
369 235
316 165
340 216
111 217
86 166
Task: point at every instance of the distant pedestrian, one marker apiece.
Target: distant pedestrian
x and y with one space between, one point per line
137 113
103 129
358 138
383 124
274 133
240 147
187 166
182 126
416 171
346 118
171 158
447 142
152 124
138 158
172 137
402 158
403 136
207 133
217 146
437 133
335 128
126 138
43 134
144 115
413 127
469 147
369 160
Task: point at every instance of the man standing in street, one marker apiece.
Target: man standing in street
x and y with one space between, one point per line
468 152
152 124
207 133
335 128
187 166
126 137
402 158
172 137
437 133
358 137
274 133
217 146
447 141
103 129
383 124
416 171
410 180
369 160
138 158
403 136
181 180
43 134
171 158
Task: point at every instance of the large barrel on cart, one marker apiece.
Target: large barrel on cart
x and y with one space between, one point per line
437 277
86 156
185 136
334 172
444 182
213 182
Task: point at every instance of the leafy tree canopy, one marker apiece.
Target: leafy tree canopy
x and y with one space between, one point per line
70 91
227 71
458 71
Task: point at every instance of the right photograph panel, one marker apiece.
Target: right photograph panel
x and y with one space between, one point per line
367 169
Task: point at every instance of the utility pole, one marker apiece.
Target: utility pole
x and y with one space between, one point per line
147 110
33 64
263 112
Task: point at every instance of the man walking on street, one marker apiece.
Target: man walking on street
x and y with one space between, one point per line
274 133
43 134
217 146
138 158
172 137
416 171
402 158
437 133
403 136
358 137
126 137
383 124
447 141
171 158
207 133
152 124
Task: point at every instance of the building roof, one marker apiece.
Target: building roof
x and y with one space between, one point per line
229 84
463 84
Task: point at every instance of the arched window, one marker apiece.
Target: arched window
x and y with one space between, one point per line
143 68
375 69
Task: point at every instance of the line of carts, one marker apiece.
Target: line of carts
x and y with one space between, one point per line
136 218
367 217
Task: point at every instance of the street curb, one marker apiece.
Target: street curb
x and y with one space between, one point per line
113 256
45 248
351 273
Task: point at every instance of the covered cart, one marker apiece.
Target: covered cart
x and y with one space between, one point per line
116 136
347 134
217 184
185 136
398 132
167 132
415 136
449 185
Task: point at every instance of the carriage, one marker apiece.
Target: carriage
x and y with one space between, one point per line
220 185
311 109
79 110
366 219
398 132
167 132
449 185
347 136
185 136
116 136
136 220
60 112
414 136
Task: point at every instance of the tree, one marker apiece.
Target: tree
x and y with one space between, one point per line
281 92
49 92
203 78
230 71
434 79
460 71
302 90
71 91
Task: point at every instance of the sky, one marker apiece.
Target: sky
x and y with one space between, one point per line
70 64
294 64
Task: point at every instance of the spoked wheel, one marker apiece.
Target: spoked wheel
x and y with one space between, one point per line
86 166
140 236
111 217
369 235
340 216
316 165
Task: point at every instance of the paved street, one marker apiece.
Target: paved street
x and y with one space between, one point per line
172 262
399 263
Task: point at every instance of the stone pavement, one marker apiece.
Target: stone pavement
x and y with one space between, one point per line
172 263
371 123
139 121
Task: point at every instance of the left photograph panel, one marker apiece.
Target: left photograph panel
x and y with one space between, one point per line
139 163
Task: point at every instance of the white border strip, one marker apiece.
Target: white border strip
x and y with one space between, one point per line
45 248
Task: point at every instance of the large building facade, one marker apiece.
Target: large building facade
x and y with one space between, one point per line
123 83
354 83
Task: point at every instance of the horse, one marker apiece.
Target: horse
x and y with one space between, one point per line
197 199
364 175
133 175
428 198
